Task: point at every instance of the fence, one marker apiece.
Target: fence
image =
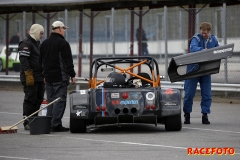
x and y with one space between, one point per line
168 31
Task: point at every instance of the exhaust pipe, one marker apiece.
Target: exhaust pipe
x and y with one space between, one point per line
125 110
117 111
134 110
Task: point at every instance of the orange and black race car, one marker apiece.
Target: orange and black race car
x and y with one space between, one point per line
132 92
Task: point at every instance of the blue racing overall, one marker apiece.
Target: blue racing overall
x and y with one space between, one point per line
198 43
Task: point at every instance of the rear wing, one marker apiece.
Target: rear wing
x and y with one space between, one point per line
208 60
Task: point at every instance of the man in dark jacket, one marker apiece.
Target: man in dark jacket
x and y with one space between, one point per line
57 63
30 74
144 51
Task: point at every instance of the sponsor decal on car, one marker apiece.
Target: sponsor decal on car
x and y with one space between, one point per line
133 94
115 102
124 102
79 107
115 95
81 113
170 104
82 92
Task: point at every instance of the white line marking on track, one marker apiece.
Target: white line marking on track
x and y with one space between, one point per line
21 114
133 143
212 130
130 143
10 113
8 157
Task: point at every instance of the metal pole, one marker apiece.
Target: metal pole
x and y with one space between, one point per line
165 38
224 39
46 28
140 37
66 23
216 22
91 38
126 31
159 15
113 37
180 25
7 43
131 36
48 24
4 31
197 21
191 22
106 29
33 18
24 25
80 44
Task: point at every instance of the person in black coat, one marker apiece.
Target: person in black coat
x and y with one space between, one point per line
58 69
30 74
144 51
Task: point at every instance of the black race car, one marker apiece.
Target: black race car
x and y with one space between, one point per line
131 94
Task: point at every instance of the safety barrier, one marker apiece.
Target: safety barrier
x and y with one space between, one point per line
165 84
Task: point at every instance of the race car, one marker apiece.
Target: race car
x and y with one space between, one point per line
13 59
132 94
124 96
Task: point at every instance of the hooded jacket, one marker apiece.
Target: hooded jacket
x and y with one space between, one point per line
56 59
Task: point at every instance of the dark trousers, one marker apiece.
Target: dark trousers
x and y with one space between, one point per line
144 51
33 98
57 109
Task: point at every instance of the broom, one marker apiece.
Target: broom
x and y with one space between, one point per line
14 128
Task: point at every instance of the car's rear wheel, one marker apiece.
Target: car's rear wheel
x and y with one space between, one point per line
78 125
1 65
173 123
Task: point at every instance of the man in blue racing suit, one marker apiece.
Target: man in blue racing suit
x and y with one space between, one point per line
199 42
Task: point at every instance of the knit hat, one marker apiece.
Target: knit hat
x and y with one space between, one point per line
35 31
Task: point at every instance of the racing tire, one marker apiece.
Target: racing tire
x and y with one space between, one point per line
78 125
173 123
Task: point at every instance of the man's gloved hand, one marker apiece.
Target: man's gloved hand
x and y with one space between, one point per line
29 78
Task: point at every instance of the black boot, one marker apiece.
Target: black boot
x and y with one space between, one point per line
205 119
187 118
26 124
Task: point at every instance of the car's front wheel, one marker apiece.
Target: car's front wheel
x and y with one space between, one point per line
78 125
173 123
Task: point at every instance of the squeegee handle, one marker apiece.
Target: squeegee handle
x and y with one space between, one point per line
35 112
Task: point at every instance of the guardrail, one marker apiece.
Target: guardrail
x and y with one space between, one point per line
165 84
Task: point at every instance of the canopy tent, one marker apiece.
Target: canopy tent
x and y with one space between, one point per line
16 6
